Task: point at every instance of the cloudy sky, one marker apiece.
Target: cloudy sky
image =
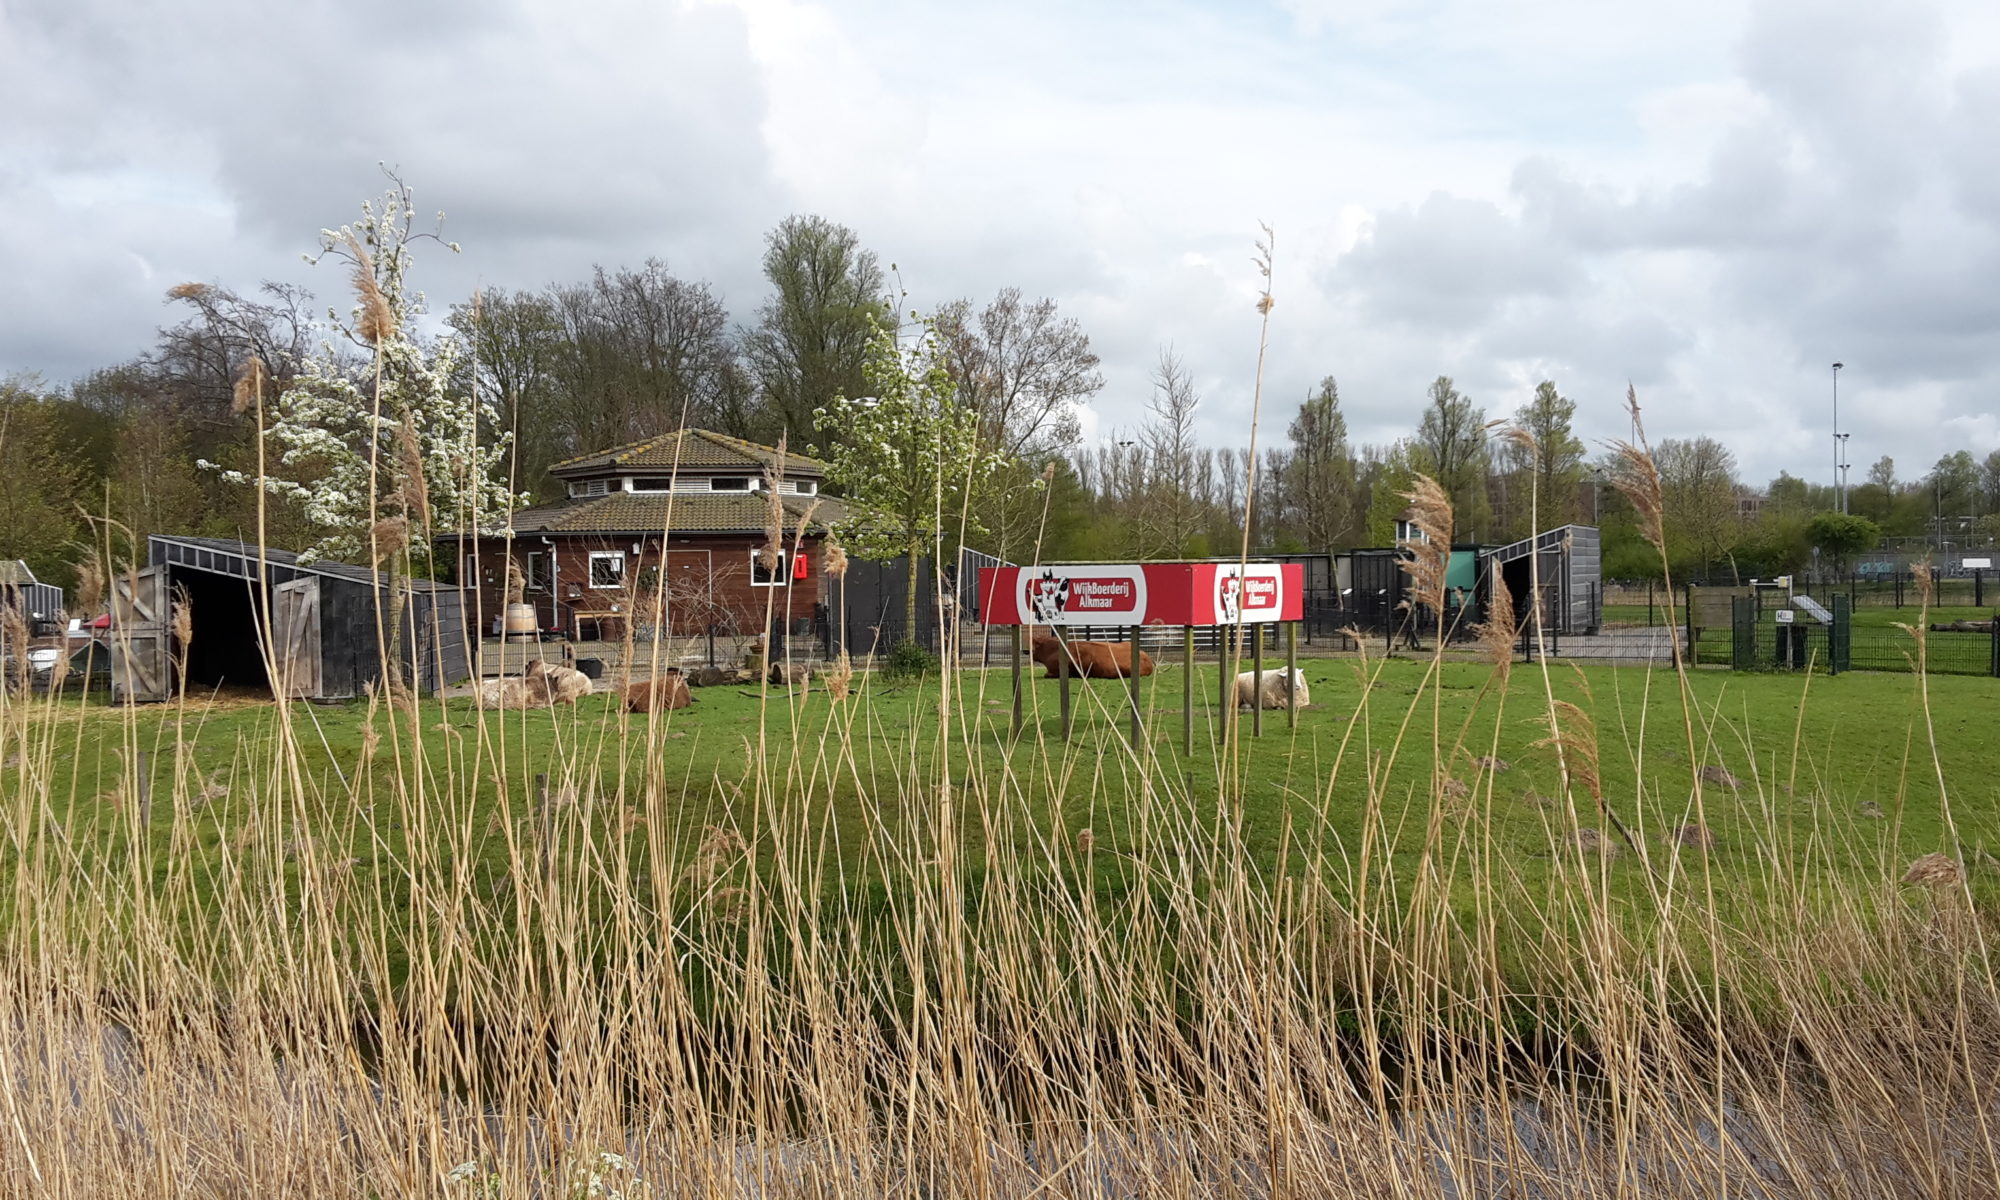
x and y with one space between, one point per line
1712 200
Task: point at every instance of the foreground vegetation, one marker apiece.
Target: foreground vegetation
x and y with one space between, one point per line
786 944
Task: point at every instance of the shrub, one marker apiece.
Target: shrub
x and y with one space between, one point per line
908 660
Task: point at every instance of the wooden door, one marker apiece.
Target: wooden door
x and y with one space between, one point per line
140 664
295 639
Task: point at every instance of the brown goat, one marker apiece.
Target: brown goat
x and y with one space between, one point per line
1089 660
668 692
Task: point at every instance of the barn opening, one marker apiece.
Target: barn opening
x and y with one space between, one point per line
227 649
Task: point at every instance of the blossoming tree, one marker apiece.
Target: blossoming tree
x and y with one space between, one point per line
907 456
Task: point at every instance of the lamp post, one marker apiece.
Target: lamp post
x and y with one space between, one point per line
1839 446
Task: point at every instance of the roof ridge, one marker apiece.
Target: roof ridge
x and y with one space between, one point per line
612 452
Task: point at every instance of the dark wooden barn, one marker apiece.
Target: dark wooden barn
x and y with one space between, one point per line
35 601
324 615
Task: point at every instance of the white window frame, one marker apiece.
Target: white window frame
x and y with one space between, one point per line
804 487
529 582
597 556
749 484
782 577
587 488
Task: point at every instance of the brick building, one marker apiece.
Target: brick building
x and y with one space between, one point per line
694 502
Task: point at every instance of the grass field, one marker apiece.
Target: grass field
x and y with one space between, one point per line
1824 776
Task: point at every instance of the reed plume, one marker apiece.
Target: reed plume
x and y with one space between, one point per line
1428 556
249 388
414 492
377 321
1497 632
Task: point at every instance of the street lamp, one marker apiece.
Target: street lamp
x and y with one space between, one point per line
1839 447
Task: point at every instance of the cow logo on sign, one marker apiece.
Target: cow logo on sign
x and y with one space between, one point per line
1228 593
1047 596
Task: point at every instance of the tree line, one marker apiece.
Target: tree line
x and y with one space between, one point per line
158 443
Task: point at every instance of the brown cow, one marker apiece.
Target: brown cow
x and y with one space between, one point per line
668 692
1089 660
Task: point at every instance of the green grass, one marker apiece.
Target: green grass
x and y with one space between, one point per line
1811 760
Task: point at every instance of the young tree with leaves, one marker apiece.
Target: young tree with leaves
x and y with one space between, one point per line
1320 492
1558 456
815 334
1451 448
906 455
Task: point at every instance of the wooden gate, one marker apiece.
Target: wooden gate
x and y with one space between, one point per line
141 668
295 655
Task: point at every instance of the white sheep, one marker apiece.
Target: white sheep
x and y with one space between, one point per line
1272 693
553 685
502 693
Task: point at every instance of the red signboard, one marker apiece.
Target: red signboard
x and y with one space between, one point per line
1142 594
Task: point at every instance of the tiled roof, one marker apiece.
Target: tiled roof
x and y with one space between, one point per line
632 512
699 448
14 572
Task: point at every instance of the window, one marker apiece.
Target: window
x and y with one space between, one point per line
537 575
771 576
607 568
590 487
652 483
802 487
729 483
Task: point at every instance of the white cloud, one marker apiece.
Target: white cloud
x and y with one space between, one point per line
1709 200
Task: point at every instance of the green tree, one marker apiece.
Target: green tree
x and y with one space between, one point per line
1558 454
1841 536
1698 494
813 336
1320 494
1451 448
1387 475
42 484
906 454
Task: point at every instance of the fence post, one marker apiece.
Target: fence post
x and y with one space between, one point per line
1257 694
1187 689
1840 636
1742 632
1132 678
1014 663
1291 674
1995 627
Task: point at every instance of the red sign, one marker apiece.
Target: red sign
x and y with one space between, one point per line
1142 594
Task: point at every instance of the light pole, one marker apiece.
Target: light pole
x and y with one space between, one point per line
1839 447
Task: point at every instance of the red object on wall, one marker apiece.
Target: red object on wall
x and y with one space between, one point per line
799 566
1187 593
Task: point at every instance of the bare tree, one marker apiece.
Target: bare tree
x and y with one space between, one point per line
1171 517
1024 369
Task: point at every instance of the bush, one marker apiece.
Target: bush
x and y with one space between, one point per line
908 660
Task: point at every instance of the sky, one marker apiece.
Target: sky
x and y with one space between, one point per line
1709 201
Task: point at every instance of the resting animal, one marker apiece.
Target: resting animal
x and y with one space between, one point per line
668 692
1272 692
554 685
502 693
1089 660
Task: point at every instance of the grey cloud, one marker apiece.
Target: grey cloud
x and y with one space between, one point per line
1451 262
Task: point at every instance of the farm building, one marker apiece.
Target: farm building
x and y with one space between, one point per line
694 502
22 593
1569 571
1372 582
324 615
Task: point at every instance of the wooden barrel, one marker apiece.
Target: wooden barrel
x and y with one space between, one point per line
520 623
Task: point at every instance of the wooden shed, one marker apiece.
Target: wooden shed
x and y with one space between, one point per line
324 615
20 591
